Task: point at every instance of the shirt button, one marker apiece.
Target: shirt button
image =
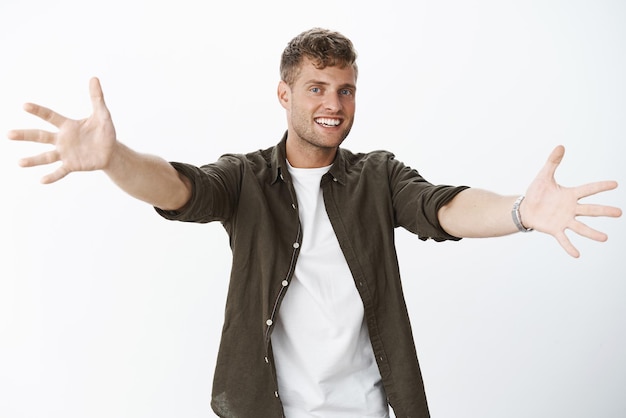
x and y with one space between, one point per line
293 205
285 283
276 394
296 245
267 360
269 322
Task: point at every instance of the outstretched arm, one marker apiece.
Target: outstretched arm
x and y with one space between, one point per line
91 144
548 207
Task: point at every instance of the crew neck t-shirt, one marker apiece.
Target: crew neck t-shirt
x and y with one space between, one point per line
324 360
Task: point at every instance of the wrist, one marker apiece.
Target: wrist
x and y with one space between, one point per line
117 158
517 216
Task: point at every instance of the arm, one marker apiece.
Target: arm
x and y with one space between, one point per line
148 178
548 207
91 144
476 213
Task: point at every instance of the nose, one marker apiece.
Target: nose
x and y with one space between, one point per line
332 102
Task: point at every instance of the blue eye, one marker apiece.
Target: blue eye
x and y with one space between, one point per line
315 90
345 92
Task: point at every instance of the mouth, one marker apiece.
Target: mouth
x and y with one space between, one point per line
328 122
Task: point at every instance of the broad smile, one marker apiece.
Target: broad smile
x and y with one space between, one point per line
328 122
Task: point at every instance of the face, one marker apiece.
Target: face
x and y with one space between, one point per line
320 107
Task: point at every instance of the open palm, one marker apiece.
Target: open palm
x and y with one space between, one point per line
80 145
553 209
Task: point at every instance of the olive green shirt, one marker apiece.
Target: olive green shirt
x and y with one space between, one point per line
366 197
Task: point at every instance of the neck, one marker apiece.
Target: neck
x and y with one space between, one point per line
309 156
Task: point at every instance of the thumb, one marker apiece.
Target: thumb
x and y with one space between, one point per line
555 158
97 97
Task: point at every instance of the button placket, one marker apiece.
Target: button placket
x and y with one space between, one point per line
284 283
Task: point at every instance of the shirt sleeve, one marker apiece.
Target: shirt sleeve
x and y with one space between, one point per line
416 202
214 193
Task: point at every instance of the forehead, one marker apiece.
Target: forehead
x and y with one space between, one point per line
308 73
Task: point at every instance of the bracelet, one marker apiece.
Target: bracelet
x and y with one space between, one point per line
517 218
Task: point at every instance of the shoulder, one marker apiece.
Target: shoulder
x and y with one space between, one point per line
258 158
352 158
378 159
259 164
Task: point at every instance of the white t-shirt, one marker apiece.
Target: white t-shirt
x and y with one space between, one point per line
324 359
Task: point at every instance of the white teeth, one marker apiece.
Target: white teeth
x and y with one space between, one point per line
327 121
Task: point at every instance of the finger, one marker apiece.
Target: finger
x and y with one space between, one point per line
588 232
32 135
97 96
56 175
46 114
41 159
598 210
590 189
567 245
555 158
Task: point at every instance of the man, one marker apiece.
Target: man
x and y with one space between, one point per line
315 323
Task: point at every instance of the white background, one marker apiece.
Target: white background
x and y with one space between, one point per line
106 310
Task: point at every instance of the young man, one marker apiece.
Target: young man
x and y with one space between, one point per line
316 323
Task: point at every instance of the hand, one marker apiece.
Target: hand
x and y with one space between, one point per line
80 145
552 208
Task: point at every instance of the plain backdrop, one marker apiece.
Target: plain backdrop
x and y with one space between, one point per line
107 310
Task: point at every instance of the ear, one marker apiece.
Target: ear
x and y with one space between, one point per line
284 94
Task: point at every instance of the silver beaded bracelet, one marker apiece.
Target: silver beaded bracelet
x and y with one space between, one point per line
517 218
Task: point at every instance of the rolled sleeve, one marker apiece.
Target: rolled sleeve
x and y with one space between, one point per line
214 191
417 202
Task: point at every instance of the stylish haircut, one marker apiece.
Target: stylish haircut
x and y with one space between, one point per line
325 48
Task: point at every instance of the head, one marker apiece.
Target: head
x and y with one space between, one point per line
317 89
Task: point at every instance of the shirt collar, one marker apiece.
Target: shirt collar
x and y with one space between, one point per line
340 168
279 161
